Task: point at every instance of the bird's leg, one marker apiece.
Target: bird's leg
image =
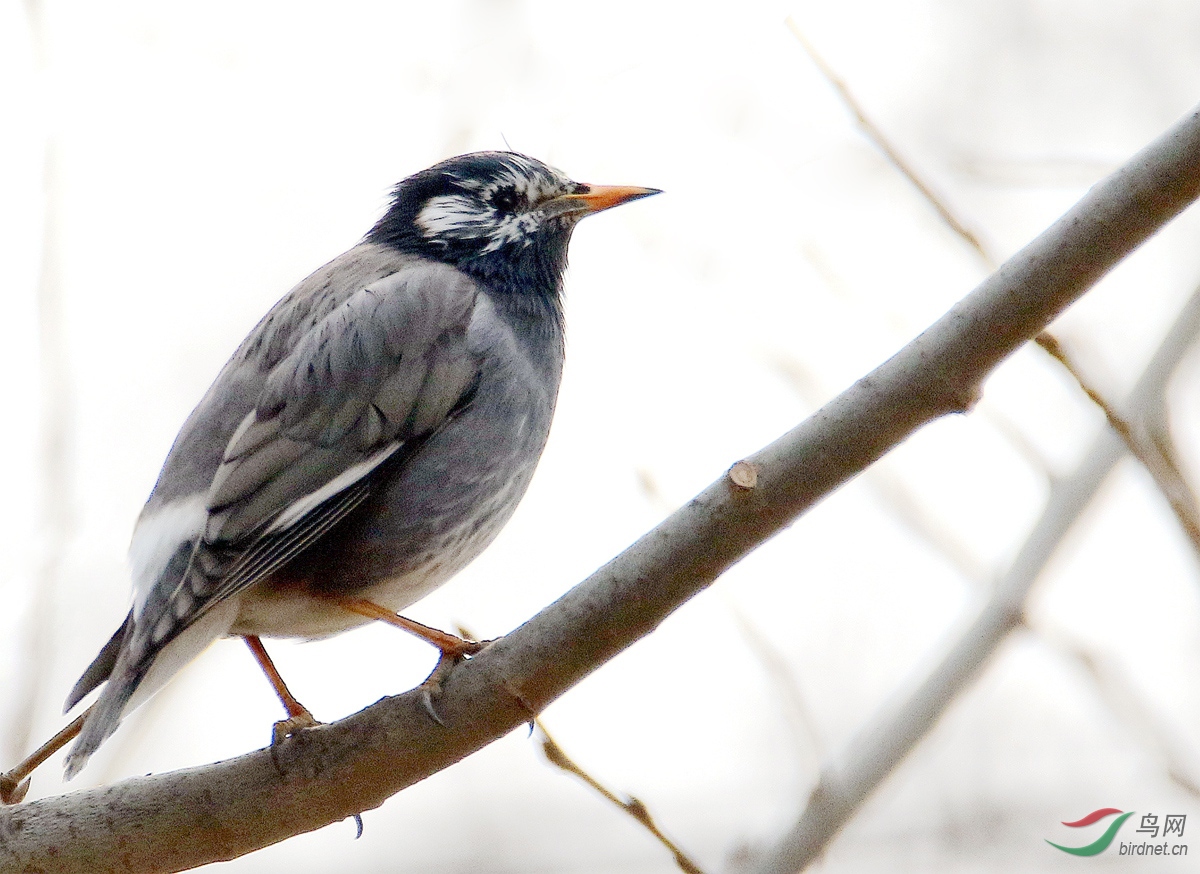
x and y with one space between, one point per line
453 648
298 715
15 783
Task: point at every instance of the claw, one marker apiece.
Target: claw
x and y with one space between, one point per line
431 689
430 708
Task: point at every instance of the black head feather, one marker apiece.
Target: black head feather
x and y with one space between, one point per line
483 213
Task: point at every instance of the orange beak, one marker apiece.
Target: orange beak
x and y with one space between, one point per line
598 197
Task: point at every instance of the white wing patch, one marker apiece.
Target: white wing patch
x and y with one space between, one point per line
300 508
156 538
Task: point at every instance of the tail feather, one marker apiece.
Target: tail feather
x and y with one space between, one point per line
101 667
140 668
105 716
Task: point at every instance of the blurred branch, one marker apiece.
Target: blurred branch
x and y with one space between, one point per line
915 516
632 806
1158 433
653 492
905 507
1017 438
55 521
784 683
179 820
884 145
1157 455
877 136
896 729
1122 696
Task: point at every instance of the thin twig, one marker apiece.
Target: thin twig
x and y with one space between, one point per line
1161 465
1126 701
845 783
1158 433
890 152
632 806
14 783
784 683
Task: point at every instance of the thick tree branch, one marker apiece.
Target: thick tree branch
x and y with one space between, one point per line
845 783
179 820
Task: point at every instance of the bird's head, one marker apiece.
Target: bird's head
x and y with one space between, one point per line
501 216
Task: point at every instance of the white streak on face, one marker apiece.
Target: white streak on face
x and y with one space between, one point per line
156 538
457 216
471 216
514 229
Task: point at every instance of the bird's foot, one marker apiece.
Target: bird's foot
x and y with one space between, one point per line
453 648
431 689
452 654
291 726
458 648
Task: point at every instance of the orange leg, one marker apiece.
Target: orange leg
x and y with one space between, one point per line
451 646
298 715
293 707
14 784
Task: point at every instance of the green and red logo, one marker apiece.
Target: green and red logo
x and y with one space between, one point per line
1101 843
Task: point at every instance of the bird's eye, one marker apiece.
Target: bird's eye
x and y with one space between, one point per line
506 200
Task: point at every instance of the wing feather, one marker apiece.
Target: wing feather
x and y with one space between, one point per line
344 378
359 390
245 474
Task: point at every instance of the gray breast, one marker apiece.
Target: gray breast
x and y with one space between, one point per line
441 506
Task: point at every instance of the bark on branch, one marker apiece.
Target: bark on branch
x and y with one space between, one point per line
848 780
175 821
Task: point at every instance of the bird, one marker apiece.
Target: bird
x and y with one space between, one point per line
368 439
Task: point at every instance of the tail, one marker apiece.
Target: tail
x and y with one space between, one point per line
101 667
105 716
139 669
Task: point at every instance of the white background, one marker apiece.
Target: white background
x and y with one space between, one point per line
205 157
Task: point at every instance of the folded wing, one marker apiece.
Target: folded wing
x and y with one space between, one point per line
356 394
